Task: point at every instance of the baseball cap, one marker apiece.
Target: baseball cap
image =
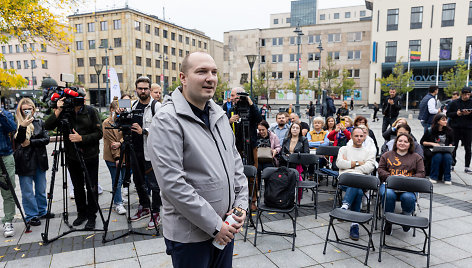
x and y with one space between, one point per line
466 90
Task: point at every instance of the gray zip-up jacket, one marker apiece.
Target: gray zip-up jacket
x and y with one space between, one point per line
199 170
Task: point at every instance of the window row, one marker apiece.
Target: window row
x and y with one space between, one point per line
22 48
347 15
353 73
335 55
312 39
93 78
26 64
119 61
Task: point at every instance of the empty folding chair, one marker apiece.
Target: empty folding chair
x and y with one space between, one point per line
367 183
414 185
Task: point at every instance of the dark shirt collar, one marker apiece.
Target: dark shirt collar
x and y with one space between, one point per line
204 114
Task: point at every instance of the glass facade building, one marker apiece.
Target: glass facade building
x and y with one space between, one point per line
303 12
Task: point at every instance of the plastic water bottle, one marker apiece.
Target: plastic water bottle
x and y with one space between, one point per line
229 221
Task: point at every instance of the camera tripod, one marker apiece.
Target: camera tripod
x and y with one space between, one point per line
8 186
59 156
127 154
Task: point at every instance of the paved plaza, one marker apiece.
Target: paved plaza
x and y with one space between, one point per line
451 244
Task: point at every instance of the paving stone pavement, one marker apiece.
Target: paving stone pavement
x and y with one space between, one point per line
451 233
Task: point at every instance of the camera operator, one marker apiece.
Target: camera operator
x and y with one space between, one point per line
86 132
142 122
254 117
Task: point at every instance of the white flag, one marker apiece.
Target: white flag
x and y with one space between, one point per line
114 84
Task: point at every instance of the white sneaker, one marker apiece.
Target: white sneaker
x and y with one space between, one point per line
100 190
124 191
120 209
71 195
433 181
8 230
448 182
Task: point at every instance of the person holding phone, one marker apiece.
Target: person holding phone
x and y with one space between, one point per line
342 111
31 161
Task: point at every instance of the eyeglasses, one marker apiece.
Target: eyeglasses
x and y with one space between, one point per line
142 88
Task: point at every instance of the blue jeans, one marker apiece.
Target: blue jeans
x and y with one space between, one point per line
441 160
34 202
407 200
353 197
425 125
112 168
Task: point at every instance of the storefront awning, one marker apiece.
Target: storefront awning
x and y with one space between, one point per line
422 64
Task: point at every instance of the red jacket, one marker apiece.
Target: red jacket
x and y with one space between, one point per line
333 137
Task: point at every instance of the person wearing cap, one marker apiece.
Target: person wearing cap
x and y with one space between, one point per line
460 113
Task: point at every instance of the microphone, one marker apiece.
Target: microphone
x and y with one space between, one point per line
55 97
71 92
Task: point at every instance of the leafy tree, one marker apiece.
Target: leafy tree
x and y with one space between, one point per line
173 86
30 21
305 85
329 74
221 88
344 84
456 77
397 80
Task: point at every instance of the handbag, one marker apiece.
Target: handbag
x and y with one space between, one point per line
264 154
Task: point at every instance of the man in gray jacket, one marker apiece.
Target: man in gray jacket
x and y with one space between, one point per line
198 168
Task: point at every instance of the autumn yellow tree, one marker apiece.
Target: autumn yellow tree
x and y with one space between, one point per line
30 21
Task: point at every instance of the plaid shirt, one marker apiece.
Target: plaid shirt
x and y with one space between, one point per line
7 126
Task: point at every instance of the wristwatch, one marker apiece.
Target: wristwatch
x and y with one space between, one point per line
357 164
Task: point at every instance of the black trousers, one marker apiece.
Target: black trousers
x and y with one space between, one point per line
148 179
387 121
199 255
464 135
85 203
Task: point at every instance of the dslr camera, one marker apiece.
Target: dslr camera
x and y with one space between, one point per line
242 106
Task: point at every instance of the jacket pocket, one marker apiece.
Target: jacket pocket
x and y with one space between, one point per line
209 188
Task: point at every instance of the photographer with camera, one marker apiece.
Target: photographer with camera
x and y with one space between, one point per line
140 127
85 131
244 117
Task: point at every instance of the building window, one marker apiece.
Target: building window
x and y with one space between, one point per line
362 13
44 64
104 77
147 28
117 42
193 42
137 26
138 43
105 60
158 65
80 62
199 44
172 51
334 55
336 37
4 49
391 51
138 61
92 61
25 64
148 62
120 77
164 33
354 55
181 38
172 36
174 66
263 60
116 24
91 26
5 66
336 16
91 44
470 13
314 38
277 58
17 48
166 65
79 45
347 15
278 41
81 78
293 57
445 47
293 40
12 64
287 20
10 49
25 48
276 21
263 42
416 20
187 40
157 47
392 19
322 16
18 64
354 37
205 45
181 53
148 45
93 78
104 26
468 43
448 15
291 75
32 47
104 43
43 48
415 45
166 50
79 28
313 56
354 73
35 81
156 31
118 60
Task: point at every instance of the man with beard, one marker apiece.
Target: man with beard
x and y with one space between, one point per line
281 128
140 127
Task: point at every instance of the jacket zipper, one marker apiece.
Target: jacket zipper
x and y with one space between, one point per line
224 166
219 133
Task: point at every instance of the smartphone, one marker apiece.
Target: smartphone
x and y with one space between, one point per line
343 122
124 103
27 112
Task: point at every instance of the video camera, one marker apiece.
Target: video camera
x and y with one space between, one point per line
73 97
124 119
242 106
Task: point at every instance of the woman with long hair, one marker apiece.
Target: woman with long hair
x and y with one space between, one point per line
295 142
440 134
31 161
330 124
391 133
402 161
342 111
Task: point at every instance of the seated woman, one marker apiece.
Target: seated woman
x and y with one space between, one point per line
391 133
440 134
361 120
294 143
330 124
402 161
317 137
405 129
340 135
267 139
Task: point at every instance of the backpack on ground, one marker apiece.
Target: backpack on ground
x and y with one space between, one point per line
279 189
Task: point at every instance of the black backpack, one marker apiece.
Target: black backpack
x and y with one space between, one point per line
280 188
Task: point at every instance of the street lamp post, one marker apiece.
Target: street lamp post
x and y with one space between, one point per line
299 33
98 70
107 101
251 59
320 47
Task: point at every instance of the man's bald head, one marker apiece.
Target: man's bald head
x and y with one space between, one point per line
187 61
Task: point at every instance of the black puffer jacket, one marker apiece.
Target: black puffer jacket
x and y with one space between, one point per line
33 156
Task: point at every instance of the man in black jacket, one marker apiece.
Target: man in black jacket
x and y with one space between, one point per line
85 133
390 109
460 113
254 119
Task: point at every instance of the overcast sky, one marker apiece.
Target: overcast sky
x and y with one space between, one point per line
214 17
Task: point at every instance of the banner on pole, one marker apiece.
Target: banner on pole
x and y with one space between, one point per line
114 84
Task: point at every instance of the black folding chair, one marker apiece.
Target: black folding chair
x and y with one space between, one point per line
306 159
251 173
414 185
328 151
365 182
261 207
